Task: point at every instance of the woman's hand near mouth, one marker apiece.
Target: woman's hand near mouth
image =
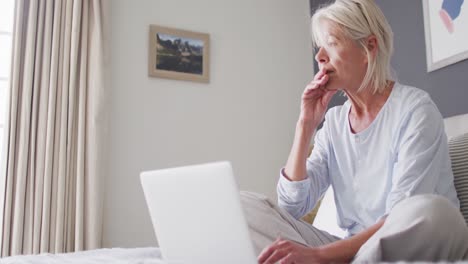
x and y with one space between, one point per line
315 99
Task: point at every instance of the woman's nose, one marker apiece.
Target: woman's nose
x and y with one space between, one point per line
321 55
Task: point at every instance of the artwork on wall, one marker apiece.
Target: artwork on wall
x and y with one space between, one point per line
178 54
446 30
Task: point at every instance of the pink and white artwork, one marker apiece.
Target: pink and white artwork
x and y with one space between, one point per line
446 30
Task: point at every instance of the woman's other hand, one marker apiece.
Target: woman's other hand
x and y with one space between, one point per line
288 252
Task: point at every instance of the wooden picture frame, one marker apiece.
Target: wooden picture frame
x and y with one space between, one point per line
178 54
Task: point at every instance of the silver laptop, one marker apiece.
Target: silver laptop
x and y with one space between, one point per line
197 215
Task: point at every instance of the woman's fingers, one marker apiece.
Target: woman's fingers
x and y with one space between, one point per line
316 84
313 93
319 74
288 259
265 254
323 81
278 250
327 97
277 255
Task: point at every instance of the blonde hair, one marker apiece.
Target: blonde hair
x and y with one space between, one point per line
359 19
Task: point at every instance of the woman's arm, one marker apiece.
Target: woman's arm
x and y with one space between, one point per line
298 193
295 169
345 250
342 251
314 102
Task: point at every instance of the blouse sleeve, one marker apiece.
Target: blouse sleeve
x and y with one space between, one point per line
300 197
421 152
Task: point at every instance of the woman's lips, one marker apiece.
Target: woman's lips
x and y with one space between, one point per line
327 71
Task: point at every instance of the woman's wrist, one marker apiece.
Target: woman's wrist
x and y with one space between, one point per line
306 126
342 251
321 255
329 255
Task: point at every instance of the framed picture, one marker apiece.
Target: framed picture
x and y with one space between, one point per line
178 54
446 32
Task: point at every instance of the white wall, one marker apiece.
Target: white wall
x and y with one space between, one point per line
260 62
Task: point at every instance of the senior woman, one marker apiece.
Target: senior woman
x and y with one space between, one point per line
384 151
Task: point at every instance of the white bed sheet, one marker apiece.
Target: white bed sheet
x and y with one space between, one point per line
150 255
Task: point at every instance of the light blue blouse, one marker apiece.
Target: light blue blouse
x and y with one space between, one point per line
403 152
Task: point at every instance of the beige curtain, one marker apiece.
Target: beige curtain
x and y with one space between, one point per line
54 159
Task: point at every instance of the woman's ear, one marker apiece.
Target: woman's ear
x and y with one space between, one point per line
372 45
371 48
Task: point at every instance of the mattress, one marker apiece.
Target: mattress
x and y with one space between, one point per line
150 255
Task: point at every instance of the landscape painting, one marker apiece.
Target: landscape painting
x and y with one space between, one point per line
178 54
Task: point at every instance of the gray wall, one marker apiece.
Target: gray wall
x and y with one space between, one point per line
448 86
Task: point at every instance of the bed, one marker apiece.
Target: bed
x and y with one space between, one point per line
149 255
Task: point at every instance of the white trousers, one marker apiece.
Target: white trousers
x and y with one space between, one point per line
420 228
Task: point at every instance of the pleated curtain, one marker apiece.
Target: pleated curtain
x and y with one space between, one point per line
56 128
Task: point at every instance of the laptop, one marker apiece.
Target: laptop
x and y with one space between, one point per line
197 214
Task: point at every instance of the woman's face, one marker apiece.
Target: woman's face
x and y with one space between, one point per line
343 59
